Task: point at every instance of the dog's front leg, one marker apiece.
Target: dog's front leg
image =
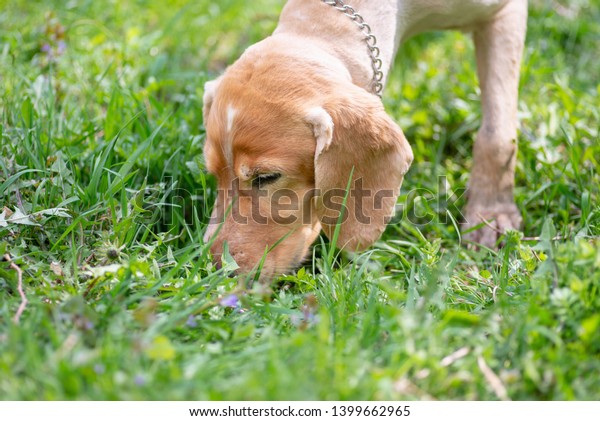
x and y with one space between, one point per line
499 46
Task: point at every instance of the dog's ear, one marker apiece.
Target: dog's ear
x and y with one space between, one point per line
357 144
210 89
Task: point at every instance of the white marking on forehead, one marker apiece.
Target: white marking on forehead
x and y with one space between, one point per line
228 144
231 113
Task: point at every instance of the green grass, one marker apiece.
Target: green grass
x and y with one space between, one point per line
101 141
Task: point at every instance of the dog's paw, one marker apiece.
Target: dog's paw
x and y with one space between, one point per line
496 220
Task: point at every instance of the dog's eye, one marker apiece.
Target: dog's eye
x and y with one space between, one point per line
265 179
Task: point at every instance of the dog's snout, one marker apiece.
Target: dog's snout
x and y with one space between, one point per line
216 251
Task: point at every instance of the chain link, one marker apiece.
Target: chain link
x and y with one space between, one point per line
370 40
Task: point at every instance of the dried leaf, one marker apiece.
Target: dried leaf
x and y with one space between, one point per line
19 217
62 212
55 267
3 222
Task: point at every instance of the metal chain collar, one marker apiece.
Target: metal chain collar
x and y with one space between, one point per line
370 40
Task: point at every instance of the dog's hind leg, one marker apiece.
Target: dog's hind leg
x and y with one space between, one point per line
499 47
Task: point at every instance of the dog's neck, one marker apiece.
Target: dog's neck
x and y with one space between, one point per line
315 24
332 31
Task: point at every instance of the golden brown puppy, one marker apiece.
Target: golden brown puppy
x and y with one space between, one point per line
299 140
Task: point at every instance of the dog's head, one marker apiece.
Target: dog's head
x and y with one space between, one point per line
285 138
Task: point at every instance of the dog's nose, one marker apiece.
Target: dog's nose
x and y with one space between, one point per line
216 250
219 265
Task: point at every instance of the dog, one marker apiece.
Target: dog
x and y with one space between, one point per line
299 141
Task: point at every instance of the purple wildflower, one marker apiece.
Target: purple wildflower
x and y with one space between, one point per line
191 321
230 301
99 369
309 317
139 380
61 47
